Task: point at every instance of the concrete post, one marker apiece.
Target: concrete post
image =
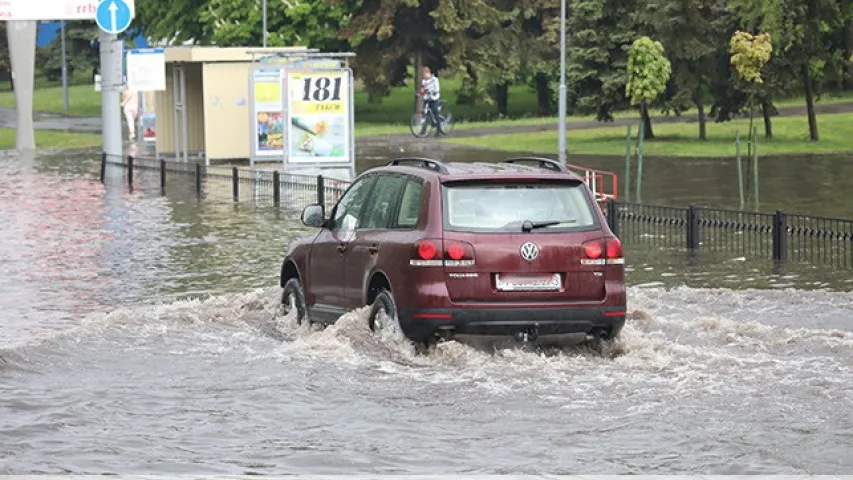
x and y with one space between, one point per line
111 80
22 55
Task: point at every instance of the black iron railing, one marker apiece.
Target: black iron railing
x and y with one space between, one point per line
775 236
779 236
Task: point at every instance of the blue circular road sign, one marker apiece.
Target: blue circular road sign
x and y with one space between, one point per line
113 16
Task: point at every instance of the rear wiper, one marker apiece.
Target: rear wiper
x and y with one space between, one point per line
528 225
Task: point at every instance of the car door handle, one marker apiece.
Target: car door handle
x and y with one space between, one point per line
373 249
342 248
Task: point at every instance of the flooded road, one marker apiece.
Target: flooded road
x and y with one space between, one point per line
140 335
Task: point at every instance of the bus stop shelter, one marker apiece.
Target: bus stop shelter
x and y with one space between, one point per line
204 110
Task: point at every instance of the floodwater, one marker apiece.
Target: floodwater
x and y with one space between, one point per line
803 184
140 336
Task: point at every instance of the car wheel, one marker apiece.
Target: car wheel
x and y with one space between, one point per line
383 313
293 298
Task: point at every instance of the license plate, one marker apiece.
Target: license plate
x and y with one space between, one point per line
530 283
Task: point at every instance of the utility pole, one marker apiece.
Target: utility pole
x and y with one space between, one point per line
562 107
64 68
111 83
265 22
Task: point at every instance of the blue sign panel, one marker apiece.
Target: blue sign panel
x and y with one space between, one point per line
113 16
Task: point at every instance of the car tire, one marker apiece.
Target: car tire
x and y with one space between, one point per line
383 301
293 296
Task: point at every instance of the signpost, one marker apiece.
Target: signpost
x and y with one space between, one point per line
146 69
146 72
112 16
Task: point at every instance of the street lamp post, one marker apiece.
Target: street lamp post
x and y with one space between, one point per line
64 68
265 22
562 106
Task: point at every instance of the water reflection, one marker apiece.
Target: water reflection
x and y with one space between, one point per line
808 184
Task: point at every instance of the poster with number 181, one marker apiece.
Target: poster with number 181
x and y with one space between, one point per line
319 123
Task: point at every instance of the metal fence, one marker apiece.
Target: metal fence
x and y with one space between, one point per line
779 236
292 191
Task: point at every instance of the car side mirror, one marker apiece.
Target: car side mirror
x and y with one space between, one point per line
314 216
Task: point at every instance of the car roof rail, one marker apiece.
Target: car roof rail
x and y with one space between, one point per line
422 162
541 162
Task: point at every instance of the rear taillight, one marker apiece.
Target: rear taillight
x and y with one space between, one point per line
603 252
461 254
615 255
428 253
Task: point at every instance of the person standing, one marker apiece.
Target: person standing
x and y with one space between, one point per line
130 103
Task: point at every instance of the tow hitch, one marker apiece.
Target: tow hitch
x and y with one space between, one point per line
528 335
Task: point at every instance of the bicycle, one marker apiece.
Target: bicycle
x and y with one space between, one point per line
421 124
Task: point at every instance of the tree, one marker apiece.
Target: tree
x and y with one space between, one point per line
802 29
848 42
388 34
81 49
596 58
648 73
539 48
5 61
172 22
308 23
691 30
750 53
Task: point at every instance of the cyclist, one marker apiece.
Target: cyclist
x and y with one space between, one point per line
431 92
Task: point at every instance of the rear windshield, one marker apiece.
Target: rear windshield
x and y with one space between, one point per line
507 207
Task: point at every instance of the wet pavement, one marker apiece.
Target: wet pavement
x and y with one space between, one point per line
141 336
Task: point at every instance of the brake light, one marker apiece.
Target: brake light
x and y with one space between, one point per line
427 250
461 254
603 252
456 251
428 253
593 250
425 253
615 254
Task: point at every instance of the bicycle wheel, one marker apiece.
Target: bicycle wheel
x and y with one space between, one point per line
420 125
446 119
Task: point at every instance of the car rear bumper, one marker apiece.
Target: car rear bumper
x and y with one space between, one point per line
421 324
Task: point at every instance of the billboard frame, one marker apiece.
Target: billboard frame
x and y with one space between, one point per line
310 62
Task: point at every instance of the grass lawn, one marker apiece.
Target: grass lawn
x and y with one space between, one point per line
790 135
389 117
49 139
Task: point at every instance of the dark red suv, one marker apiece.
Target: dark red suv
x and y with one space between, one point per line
507 249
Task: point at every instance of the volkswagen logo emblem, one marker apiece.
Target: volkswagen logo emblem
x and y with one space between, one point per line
529 251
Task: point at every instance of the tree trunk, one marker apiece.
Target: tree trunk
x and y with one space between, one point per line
848 44
807 81
503 98
11 82
419 75
647 122
543 94
768 125
700 109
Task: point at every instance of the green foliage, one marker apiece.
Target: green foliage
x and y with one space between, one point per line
309 23
81 50
648 71
172 21
388 34
749 54
600 32
5 62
